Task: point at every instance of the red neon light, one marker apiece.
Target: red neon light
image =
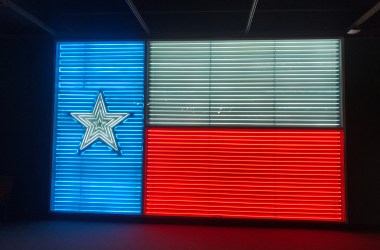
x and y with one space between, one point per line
245 173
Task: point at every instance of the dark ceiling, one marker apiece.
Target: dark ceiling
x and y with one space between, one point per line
179 18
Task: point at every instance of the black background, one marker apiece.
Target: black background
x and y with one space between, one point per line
26 99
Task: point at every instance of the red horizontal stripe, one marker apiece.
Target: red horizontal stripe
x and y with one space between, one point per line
245 173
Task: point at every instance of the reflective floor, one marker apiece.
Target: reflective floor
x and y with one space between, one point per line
106 235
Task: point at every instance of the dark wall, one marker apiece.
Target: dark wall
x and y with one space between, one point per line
26 91
26 98
362 85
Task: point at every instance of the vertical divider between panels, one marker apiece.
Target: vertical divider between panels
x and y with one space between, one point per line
275 190
209 105
145 130
209 84
274 83
275 108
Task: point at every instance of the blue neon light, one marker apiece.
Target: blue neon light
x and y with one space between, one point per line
98 179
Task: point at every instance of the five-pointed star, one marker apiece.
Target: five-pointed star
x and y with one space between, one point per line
99 124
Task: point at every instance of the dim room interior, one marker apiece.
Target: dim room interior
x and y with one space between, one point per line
246 124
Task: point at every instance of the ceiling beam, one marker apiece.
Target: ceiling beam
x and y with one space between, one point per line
138 16
355 27
251 14
28 16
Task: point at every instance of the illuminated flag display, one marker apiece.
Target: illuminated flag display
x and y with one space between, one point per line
98 128
235 129
245 129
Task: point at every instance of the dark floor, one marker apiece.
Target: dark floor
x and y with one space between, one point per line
56 235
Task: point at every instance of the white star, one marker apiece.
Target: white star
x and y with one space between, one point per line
99 124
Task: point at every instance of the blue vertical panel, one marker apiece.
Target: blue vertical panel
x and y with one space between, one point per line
98 178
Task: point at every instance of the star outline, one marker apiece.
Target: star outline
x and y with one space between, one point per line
99 113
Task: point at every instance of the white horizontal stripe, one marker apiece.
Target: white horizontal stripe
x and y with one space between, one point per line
287 81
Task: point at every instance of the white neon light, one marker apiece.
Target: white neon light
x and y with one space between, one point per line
99 124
